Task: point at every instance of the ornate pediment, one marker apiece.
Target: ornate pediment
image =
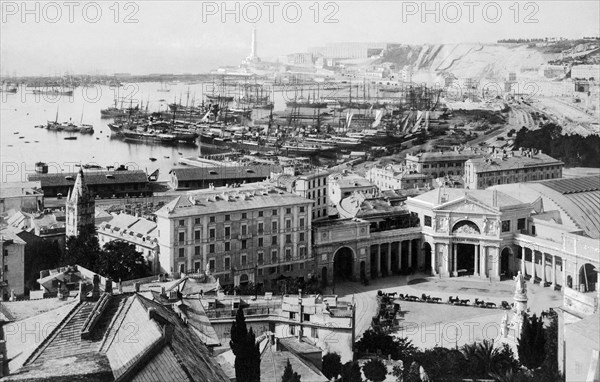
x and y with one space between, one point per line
466 205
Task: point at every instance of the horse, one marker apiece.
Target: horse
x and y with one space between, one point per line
505 305
479 302
393 294
464 302
490 305
436 299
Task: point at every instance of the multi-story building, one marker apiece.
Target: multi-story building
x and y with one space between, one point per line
12 264
248 233
133 230
397 178
441 163
21 196
313 186
510 167
342 186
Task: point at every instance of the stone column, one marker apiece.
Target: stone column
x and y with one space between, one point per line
532 279
523 269
378 260
399 255
454 259
543 269
564 270
434 269
410 253
483 264
553 272
389 259
477 254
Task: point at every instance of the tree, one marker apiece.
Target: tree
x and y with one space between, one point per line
289 375
531 345
331 366
83 250
40 255
120 260
246 351
374 340
375 370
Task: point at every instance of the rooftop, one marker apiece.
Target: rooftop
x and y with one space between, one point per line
134 226
224 172
17 189
223 199
487 197
445 155
512 160
91 178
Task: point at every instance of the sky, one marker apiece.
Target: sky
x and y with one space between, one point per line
141 37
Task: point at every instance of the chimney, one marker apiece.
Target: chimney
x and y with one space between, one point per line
168 333
96 288
136 287
108 288
120 286
82 292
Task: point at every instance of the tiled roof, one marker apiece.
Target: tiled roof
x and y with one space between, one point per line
223 199
488 164
484 196
129 223
91 178
132 338
573 185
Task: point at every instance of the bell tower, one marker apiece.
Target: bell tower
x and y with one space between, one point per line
80 209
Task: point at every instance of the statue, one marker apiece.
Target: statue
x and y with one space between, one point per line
487 225
520 286
504 325
207 271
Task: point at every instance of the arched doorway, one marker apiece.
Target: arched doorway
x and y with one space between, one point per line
588 278
505 263
243 279
343 262
427 254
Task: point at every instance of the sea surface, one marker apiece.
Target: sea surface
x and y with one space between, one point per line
22 144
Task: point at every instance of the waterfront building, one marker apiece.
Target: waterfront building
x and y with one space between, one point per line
12 264
394 177
442 163
194 178
140 232
247 233
503 167
102 184
80 209
311 185
21 196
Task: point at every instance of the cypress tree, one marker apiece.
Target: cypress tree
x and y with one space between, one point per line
246 351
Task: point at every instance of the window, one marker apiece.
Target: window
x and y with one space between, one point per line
212 219
211 248
227 263
197 221
506 226
288 223
244 260
211 233
197 235
261 227
274 226
427 221
181 252
181 237
302 209
274 212
211 265
302 251
244 215
260 214
521 223
288 238
260 242
301 222
197 250
314 332
244 244
227 246
244 229
197 266
274 255
261 257
260 272
301 236
227 231
227 217
292 315
181 268
288 211
274 240
288 254
292 328
181 223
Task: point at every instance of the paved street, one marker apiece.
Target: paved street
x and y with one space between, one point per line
428 325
